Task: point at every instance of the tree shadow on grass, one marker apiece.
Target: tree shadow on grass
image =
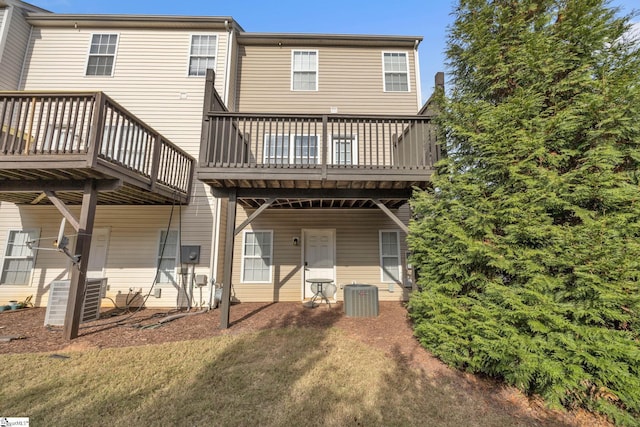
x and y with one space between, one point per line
299 370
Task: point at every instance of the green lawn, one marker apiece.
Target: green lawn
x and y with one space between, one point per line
284 377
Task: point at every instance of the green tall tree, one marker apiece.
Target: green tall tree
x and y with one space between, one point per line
528 246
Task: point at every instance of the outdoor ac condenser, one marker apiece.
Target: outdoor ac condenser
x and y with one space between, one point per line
59 298
361 300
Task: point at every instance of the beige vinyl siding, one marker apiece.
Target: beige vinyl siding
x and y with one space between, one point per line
149 77
15 38
132 253
357 251
150 80
349 79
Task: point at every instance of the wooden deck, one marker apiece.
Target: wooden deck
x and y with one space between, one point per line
57 141
334 159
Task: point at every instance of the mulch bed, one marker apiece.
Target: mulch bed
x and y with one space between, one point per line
390 332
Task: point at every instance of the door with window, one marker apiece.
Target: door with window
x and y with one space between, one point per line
319 256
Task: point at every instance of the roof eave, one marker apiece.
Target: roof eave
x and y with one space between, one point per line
131 21
297 39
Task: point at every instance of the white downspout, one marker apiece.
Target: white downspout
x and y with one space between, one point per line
416 59
215 239
227 74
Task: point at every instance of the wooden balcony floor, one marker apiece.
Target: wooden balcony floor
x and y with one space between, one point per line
130 191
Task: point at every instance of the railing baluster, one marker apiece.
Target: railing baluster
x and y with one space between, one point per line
10 129
21 130
4 126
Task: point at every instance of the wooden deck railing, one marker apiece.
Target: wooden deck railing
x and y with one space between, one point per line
308 141
90 126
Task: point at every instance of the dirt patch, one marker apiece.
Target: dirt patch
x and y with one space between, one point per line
390 332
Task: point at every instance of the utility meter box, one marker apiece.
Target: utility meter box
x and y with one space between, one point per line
190 254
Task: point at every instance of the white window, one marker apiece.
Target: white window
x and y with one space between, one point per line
303 151
102 54
167 258
345 150
202 54
390 256
127 143
257 247
61 137
18 258
304 70
396 71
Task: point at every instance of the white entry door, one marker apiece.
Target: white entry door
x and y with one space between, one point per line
98 253
319 256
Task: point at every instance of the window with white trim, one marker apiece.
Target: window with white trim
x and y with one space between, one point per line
19 259
345 150
167 258
102 54
202 54
257 248
390 256
303 151
127 143
396 71
304 70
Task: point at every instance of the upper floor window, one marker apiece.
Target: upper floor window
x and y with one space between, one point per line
102 54
302 151
396 71
345 149
304 70
202 54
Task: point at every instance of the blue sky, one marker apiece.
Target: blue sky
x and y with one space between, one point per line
428 19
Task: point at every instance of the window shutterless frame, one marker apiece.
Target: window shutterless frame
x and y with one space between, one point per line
203 54
344 149
102 54
19 261
167 261
395 72
390 265
290 149
304 70
257 256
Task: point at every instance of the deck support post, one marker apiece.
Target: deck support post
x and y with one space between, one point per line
228 259
79 271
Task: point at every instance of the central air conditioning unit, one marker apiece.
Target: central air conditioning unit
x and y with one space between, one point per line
361 300
95 290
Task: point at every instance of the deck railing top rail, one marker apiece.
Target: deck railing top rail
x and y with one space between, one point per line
93 127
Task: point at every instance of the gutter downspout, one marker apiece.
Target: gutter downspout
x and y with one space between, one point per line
215 239
227 74
416 59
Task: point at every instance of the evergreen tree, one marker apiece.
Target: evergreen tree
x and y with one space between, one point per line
528 245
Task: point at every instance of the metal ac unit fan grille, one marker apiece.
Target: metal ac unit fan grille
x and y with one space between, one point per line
361 300
59 298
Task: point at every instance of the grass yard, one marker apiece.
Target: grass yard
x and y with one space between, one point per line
282 377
